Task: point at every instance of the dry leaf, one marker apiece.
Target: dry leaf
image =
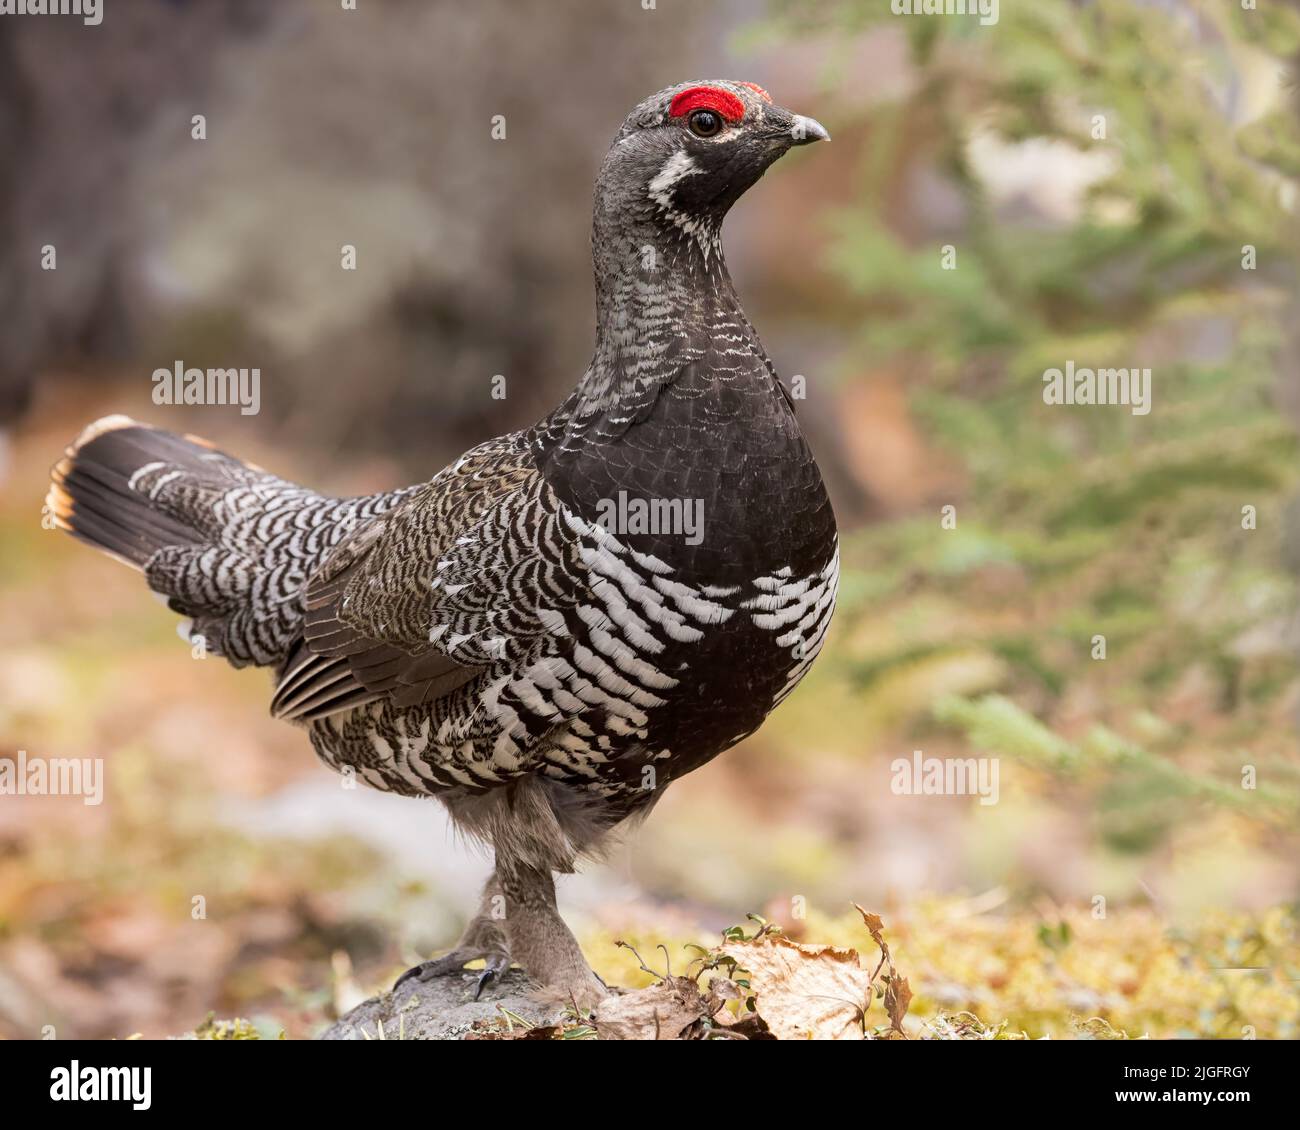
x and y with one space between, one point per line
721 990
805 992
898 995
536 1032
874 923
662 1012
750 1026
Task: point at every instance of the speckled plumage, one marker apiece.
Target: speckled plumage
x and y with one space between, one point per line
485 637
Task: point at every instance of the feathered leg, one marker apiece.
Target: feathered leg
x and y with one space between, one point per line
538 828
540 941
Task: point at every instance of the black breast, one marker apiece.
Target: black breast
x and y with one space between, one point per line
730 444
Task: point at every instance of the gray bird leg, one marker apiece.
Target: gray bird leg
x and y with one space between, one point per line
484 937
540 941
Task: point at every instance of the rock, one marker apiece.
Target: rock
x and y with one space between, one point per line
442 1009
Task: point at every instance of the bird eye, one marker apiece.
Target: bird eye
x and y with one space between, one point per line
704 123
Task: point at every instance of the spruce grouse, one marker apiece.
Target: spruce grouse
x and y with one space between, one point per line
521 636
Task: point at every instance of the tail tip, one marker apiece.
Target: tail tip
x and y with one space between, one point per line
98 427
58 502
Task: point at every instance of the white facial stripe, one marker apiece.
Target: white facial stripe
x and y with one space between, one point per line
677 167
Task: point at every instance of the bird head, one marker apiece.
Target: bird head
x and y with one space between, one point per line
684 156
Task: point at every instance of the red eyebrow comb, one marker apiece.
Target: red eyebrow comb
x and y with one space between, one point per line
707 98
763 94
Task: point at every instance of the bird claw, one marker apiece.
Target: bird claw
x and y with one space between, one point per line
415 973
438 967
497 964
454 962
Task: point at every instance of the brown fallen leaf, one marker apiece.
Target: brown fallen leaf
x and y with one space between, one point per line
722 990
804 992
898 993
751 1026
490 1030
666 1011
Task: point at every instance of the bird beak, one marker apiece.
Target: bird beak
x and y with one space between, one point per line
804 131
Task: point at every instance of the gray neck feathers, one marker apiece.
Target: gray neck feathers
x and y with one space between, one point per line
662 291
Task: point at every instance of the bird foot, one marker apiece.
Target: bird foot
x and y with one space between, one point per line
496 964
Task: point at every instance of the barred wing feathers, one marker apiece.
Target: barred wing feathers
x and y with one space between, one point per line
473 569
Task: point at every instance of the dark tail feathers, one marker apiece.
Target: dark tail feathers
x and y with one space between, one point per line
91 496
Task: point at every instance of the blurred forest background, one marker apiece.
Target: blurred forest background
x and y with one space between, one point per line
1121 778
